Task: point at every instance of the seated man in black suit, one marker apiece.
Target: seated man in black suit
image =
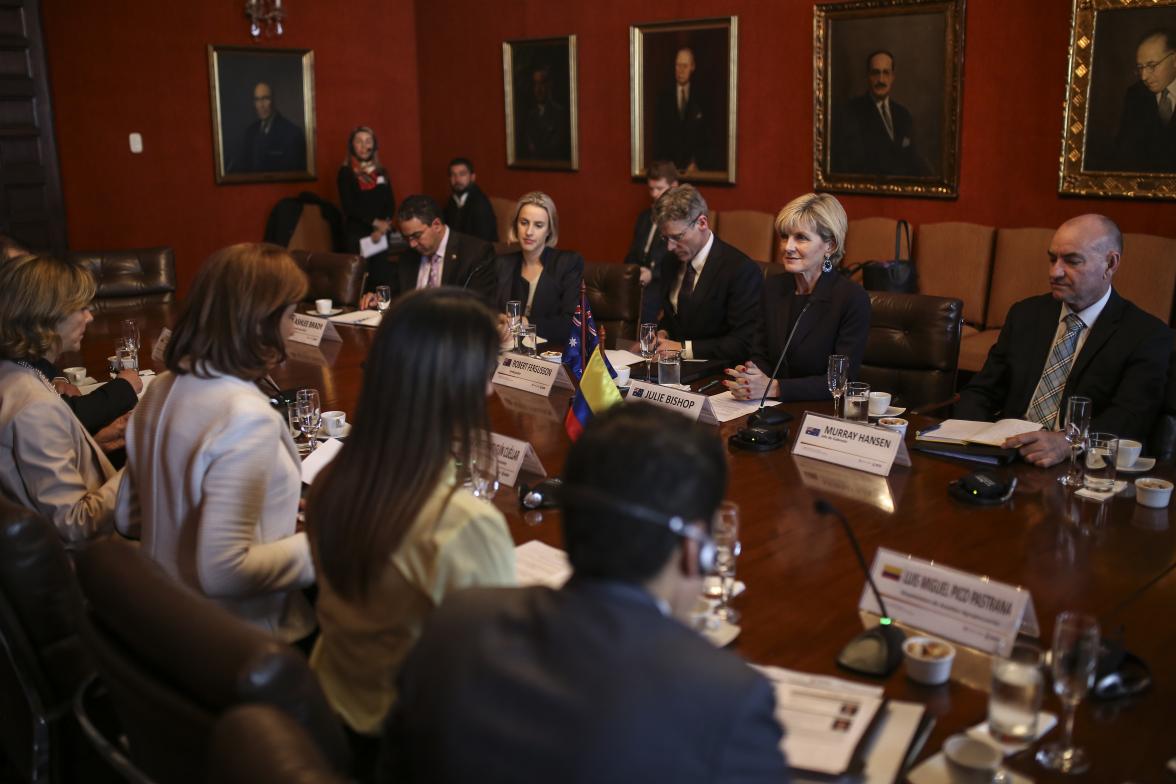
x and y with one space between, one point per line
467 210
710 291
1081 339
446 258
596 681
649 246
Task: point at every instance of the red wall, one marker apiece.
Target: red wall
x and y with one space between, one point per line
1014 87
118 66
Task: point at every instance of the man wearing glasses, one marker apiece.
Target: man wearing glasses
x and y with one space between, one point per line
711 291
1147 134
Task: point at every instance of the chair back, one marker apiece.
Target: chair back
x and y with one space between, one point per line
913 347
130 279
173 661
749 231
869 239
503 215
312 232
614 294
955 260
1019 270
334 276
259 744
1147 274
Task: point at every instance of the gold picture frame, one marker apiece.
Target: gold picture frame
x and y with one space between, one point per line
542 103
255 139
695 127
888 87
1110 147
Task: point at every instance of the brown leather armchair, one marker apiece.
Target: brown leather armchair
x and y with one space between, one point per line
173 661
614 294
259 744
130 279
334 276
914 346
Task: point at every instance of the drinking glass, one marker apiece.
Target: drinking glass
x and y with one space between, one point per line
383 297
1075 655
482 478
529 340
128 355
837 377
310 413
130 334
1078 410
1101 453
1015 699
648 338
514 313
857 401
725 533
669 367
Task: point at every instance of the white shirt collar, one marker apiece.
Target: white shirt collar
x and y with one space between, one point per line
1090 313
460 198
699 260
1171 88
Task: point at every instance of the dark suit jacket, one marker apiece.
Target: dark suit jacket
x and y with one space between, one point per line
687 137
863 146
651 297
475 219
837 322
557 295
590 683
282 149
1144 143
468 263
99 408
723 314
1122 367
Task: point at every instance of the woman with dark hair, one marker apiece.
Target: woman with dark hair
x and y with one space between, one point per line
365 193
48 462
213 477
391 528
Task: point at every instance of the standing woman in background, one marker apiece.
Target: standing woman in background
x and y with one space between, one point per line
213 477
365 193
391 528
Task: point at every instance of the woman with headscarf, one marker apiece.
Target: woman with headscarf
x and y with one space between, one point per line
365 193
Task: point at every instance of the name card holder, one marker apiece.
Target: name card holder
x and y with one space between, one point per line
531 374
514 456
695 406
157 351
859 445
312 330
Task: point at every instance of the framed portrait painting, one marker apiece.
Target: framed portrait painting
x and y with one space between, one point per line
542 121
262 113
683 87
1118 130
887 82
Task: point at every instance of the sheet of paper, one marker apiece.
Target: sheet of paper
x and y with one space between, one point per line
537 563
618 357
884 750
317 460
726 407
965 431
360 318
367 248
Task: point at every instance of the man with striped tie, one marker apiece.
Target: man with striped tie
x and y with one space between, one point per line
1081 339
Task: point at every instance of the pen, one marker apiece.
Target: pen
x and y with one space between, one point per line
705 387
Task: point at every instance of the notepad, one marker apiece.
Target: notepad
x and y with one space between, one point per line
965 431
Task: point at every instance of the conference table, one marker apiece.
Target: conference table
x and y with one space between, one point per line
1114 560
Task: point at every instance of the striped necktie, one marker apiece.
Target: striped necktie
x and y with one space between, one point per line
435 271
1047 396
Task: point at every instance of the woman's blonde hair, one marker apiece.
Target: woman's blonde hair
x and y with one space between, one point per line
36 293
543 201
823 213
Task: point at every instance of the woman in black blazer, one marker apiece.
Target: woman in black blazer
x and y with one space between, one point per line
829 312
552 275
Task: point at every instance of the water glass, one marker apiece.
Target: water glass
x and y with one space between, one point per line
128 356
130 334
383 297
837 377
857 401
1018 684
1078 410
1099 462
514 313
310 413
669 367
1074 659
725 533
529 340
648 338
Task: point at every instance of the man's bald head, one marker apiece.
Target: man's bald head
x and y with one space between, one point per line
1083 256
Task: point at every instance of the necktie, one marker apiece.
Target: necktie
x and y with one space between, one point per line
1044 406
886 120
687 285
1166 106
435 271
681 99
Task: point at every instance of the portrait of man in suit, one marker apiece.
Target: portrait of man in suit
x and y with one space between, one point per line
1146 139
540 83
877 133
271 143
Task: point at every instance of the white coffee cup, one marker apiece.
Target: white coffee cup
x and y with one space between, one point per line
622 378
1128 452
970 760
76 375
879 402
894 423
334 422
323 306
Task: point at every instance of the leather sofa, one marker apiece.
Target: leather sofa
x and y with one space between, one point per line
129 279
259 744
333 276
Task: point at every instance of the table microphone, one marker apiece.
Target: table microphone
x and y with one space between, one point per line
476 270
767 428
875 651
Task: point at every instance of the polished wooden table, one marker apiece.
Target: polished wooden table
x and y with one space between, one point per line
1116 560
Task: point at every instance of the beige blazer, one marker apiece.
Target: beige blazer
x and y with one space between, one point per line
48 462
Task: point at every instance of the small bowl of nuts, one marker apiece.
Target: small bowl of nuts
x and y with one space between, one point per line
928 661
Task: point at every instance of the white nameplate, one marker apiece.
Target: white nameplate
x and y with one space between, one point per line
696 407
514 456
857 445
312 330
976 611
530 374
160 346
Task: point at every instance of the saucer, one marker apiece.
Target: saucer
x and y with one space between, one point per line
331 312
721 634
892 411
1141 465
324 435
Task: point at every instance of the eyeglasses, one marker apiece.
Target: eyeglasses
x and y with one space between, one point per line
415 236
677 238
1140 70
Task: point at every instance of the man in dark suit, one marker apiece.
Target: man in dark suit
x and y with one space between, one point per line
648 248
683 121
545 125
875 133
597 681
1082 339
1146 141
467 210
710 290
272 143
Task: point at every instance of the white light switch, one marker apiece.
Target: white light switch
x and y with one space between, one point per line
136 143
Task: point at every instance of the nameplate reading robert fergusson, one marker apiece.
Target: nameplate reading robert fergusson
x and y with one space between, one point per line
513 456
157 352
312 330
693 405
857 445
530 374
970 609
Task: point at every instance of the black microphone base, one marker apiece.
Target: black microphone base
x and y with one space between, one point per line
769 417
759 439
876 651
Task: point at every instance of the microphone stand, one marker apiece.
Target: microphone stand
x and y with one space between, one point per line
767 428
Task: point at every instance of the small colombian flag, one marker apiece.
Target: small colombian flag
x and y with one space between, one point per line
891 572
597 392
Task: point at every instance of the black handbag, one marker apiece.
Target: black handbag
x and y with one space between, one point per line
897 274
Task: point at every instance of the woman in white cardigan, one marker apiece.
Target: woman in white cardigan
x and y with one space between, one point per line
213 477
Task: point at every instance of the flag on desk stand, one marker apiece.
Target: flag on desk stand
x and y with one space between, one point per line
586 360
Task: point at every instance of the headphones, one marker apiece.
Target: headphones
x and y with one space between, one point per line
693 530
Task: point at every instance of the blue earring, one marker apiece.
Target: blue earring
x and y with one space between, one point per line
827 266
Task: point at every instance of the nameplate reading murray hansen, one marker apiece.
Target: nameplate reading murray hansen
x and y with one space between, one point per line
857 445
312 330
531 374
693 405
